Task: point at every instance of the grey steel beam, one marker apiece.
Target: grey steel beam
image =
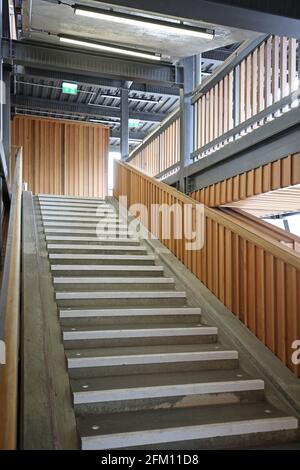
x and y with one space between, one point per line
100 82
7 115
116 134
21 101
283 21
124 130
54 57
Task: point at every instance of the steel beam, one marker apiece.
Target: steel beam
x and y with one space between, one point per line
124 130
104 83
63 59
281 19
116 134
21 101
7 115
273 141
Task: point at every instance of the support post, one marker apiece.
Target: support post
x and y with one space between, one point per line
186 117
7 116
124 131
236 91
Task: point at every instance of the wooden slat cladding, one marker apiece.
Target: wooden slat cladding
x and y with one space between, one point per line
63 157
275 175
265 76
255 276
161 152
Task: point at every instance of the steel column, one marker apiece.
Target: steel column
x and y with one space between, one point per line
124 130
186 117
7 115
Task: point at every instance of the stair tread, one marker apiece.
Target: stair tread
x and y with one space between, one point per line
138 333
115 312
139 421
94 256
52 246
158 379
120 295
115 267
113 280
136 327
147 350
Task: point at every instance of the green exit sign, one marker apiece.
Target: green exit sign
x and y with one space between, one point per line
134 123
69 88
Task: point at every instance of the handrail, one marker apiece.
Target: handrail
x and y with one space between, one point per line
232 61
276 232
10 317
266 242
163 125
254 275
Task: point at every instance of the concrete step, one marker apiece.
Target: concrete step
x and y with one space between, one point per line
149 359
101 259
86 215
108 224
102 271
164 391
92 240
83 232
112 283
130 316
74 218
85 208
88 338
203 427
71 199
117 299
94 249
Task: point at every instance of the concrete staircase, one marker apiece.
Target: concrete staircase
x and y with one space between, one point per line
145 372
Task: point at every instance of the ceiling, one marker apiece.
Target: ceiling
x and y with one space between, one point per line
38 94
42 16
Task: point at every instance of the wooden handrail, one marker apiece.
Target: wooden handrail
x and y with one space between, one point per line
250 271
240 228
10 317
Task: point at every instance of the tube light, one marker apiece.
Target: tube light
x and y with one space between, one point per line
142 100
107 48
124 18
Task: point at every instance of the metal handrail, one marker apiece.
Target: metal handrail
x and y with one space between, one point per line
10 316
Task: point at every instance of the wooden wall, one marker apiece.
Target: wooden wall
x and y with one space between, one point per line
275 175
63 157
253 274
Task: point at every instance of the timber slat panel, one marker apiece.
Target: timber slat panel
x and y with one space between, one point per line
61 157
278 174
252 273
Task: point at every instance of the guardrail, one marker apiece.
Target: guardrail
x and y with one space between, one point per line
10 317
254 86
161 149
253 274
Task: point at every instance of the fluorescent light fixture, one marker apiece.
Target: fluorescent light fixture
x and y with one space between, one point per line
103 121
133 20
107 48
142 100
